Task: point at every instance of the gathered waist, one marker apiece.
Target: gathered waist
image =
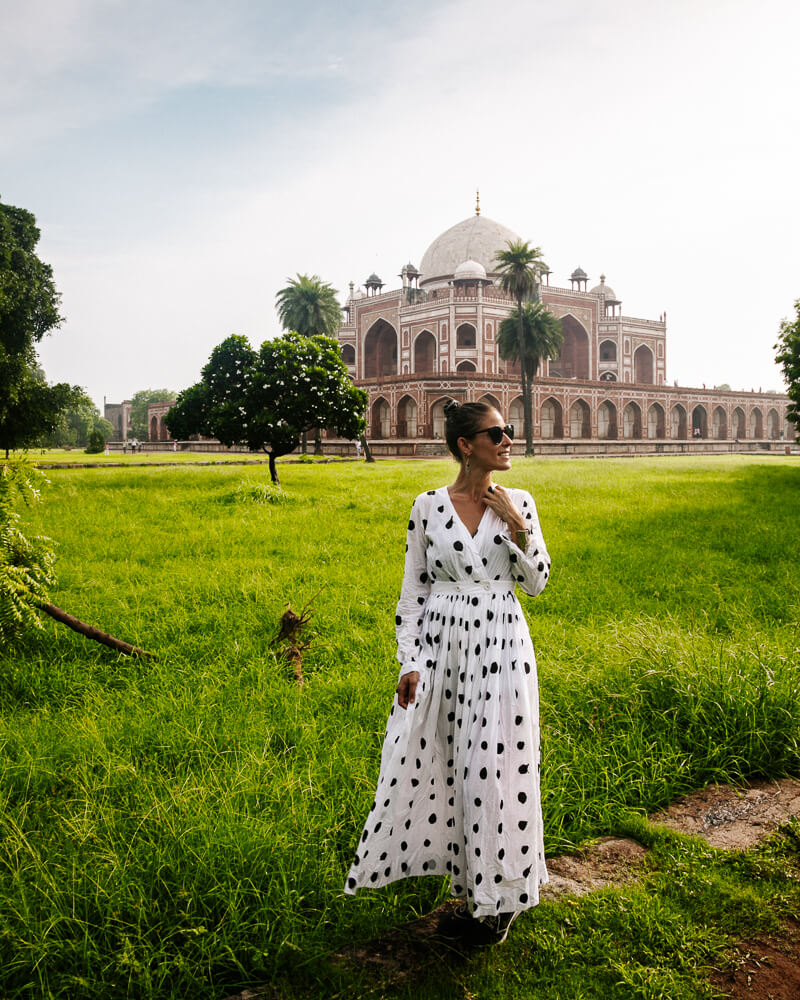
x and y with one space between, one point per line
472 587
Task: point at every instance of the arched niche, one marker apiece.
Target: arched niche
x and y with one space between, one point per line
719 424
438 418
425 353
573 359
738 424
632 421
580 420
407 417
516 416
381 423
656 422
348 354
608 376
756 423
552 419
608 351
699 422
465 366
678 422
380 350
466 336
773 425
643 366
154 428
607 420
491 400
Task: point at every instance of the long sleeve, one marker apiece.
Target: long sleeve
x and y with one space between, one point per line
531 568
413 595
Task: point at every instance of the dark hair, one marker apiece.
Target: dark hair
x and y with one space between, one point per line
462 420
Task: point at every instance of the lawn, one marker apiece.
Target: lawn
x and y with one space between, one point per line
182 827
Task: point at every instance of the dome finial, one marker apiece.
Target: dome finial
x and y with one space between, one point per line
477 201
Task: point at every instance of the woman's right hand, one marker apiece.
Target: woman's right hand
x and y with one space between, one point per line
407 689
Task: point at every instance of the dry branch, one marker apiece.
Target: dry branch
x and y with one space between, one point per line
93 633
289 632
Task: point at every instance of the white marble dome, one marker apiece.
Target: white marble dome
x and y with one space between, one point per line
475 239
470 270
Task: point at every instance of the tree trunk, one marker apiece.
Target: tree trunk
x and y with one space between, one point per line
527 407
317 441
367 451
304 444
272 469
93 633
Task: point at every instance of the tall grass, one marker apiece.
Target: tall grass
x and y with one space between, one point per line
183 827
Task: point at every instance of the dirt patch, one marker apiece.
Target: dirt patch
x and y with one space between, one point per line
734 818
763 969
611 861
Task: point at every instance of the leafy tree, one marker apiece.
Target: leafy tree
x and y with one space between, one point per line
29 308
788 357
266 399
541 337
26 564
520 266
78 423
137 425
309 306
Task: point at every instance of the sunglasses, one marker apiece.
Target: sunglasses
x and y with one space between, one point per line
496 433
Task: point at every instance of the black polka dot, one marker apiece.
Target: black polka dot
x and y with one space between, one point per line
351 882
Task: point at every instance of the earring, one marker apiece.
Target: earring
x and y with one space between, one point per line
467 464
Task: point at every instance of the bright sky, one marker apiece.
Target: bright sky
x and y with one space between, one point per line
184 157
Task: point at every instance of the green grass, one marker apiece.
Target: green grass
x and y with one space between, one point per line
183 827
77 456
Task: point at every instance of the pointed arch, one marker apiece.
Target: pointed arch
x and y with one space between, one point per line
643 365
719 424
573 359
515 415
580 419
738 424
381 419
437 418
678 422
656 422
348 353
699 422
465 366
607 420
154 428
608 350
552 418
632 421
407 417
424 353
773 425
756 423
380 350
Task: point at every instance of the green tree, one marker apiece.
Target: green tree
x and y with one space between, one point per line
308 306
78 423
541 338
137 424
788 357
29 308
520 266
267 399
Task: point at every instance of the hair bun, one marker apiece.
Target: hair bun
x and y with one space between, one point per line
450 407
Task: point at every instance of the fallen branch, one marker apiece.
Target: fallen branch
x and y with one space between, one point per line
93 633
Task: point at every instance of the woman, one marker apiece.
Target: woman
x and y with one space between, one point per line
458 791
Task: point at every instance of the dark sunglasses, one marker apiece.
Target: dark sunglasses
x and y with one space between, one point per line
496 433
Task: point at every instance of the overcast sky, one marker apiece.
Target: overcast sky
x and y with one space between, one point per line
184 157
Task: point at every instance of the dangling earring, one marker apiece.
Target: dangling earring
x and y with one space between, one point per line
467 464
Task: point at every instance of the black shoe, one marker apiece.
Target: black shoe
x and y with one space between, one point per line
459 925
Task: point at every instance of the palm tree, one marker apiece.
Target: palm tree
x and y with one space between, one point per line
308 305
520 266
540 337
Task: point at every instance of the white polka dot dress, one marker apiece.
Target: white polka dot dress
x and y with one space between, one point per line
458 791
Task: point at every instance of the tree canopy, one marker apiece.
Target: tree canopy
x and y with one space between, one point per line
78 423
29 308
309 306
267 399
788 357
